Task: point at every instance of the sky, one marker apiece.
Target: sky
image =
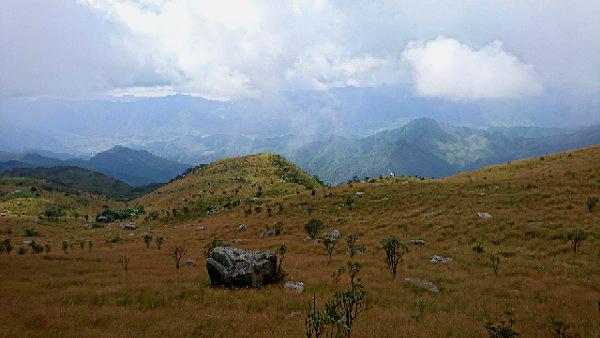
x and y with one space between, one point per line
222 50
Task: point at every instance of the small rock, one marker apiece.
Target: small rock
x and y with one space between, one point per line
440 259
296 287
201 229
422 284
129 226
190 262
432 214
360 193
236 240
267 233
335 233
484 215
417 242
294 314
361 249
241 227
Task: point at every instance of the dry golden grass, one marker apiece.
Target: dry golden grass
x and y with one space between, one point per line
534 203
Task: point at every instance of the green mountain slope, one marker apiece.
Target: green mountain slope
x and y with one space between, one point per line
427 148
75 179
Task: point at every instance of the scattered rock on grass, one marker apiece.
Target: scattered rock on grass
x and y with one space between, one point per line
190 262
241 227
267 233
484 215
294 314
417 242
440 259
334 233
129 226
296 287
421 283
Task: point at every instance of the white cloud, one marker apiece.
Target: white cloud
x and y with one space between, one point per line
327 66
446 68
230 49
155 91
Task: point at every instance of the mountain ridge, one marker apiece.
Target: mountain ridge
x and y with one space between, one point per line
134 167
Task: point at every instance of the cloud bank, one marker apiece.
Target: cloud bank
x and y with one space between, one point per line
236 49
448 69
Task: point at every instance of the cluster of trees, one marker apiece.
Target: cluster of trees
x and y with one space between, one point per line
54 213
110 215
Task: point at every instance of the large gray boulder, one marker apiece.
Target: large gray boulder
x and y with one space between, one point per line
235 267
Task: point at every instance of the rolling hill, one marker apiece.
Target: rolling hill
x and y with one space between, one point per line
229 182
75 179
24 200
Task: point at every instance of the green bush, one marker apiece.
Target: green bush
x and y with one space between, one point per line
214 243
277 227
313 227
7 245
592 203
159 241
147 240
31 233
65 246
503 329
478 248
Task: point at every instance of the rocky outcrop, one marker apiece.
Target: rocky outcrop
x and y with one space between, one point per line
234 267
423 284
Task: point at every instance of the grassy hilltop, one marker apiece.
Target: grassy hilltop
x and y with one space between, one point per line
534 204
226 184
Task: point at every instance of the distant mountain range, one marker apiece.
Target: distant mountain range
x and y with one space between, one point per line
133 167
423 147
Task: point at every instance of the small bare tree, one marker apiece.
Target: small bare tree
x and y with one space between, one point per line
495 263
394 252
8 246
159 241
405 228
177 254
351 240
65 246
329 240
280 272
576 237
124 260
